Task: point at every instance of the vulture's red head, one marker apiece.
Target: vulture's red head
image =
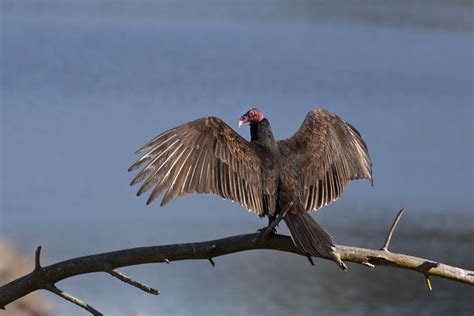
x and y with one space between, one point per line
252 115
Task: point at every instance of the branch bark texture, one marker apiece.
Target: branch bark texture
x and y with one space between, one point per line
46 277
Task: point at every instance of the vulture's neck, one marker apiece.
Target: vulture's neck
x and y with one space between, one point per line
261 134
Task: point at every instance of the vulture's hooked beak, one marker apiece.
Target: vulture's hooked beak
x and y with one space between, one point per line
241 123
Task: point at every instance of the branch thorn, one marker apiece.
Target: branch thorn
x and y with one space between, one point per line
368 264
167 261
212 262
392 229
310 260
37 258
428 282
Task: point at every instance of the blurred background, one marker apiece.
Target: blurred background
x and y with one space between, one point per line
85 83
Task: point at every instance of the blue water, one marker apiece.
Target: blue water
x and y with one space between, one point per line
83 84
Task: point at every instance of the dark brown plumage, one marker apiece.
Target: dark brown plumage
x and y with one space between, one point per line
302 173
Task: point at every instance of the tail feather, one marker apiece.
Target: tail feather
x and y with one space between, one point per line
308 235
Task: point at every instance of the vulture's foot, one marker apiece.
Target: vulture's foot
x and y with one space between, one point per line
264 229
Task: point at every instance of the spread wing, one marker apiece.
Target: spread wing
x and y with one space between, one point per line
203 156
330 152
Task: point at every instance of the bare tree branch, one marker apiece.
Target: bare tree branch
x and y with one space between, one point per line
46 277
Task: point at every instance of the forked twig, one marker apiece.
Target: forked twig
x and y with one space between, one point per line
122 277
68 297
274 224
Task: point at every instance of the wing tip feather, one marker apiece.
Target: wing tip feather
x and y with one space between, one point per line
135 165
150 199
136 180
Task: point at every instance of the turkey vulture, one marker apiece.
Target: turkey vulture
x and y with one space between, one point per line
296 175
